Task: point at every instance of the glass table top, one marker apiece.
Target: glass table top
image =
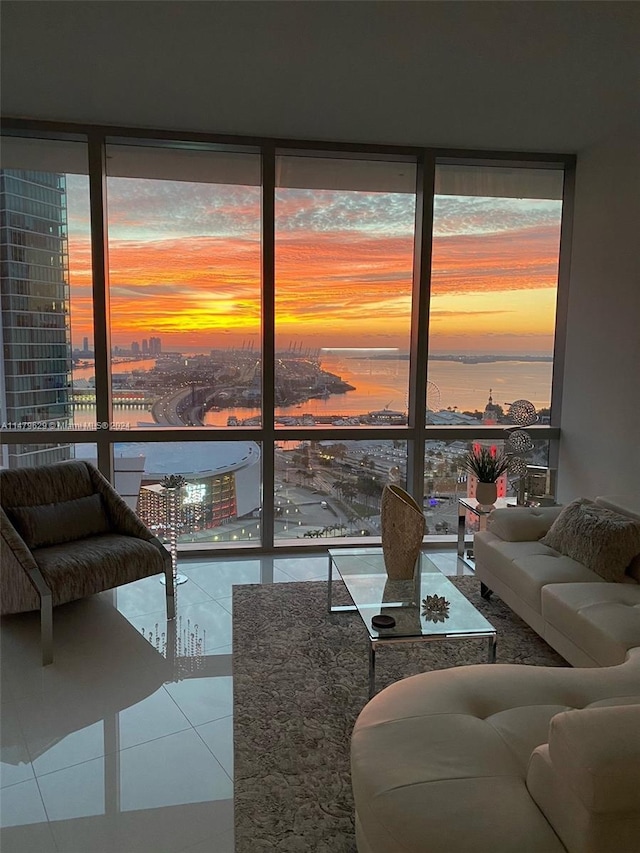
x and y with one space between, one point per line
364 575
480 509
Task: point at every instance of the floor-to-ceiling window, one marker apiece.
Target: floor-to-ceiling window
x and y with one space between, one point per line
492 314
47 326
184 280
492 318
271 322
344 249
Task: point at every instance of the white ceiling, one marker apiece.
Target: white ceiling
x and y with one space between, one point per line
538 76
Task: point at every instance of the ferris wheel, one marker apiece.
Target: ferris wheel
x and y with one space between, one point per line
433 396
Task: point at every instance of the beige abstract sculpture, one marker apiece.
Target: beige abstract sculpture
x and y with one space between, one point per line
403 526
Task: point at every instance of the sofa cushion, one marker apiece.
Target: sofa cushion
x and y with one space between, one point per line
507 552
56 523
603 619
63 481
412 767
439 760
521 523
604 541
483 814
597 753
586 780
114 560
528 575
579 829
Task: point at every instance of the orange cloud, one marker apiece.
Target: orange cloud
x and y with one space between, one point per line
335 286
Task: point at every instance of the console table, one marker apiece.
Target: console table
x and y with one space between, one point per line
482 512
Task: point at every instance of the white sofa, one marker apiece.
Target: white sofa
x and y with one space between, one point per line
588 620
508 758
493 759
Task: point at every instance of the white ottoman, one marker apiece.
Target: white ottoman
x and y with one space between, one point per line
439 761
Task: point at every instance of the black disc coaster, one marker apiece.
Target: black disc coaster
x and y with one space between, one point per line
382 621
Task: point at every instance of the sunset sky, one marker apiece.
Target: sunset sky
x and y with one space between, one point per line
185 266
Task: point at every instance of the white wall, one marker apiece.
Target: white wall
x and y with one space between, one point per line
523 76
600 444
503 75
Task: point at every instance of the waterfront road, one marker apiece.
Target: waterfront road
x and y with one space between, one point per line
165 410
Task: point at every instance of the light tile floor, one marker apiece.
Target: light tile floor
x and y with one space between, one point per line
115 748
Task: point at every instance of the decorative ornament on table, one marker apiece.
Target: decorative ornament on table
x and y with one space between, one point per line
172 486
403 525
486 494
435 608
487 464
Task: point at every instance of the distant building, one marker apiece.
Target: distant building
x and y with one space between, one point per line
135 348
155 346
35 376
387 416
489 417
491 411
447 417
223 481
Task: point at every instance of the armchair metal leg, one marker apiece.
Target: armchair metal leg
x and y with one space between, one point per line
170 591
46 628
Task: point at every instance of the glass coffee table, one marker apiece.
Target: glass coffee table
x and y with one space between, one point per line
373 594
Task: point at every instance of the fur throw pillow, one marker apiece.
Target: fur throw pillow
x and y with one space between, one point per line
603 540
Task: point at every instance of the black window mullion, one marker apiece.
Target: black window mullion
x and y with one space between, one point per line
100 278
420 323
268 345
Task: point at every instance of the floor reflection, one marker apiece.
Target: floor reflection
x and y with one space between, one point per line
125 743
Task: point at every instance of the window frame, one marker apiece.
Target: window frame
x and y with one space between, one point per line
416 433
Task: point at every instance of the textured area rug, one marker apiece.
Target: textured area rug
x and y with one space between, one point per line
300 680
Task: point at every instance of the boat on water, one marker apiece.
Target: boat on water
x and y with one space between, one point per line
387 416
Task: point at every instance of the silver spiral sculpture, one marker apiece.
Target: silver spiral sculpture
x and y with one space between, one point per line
519 442
523 414
517 466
